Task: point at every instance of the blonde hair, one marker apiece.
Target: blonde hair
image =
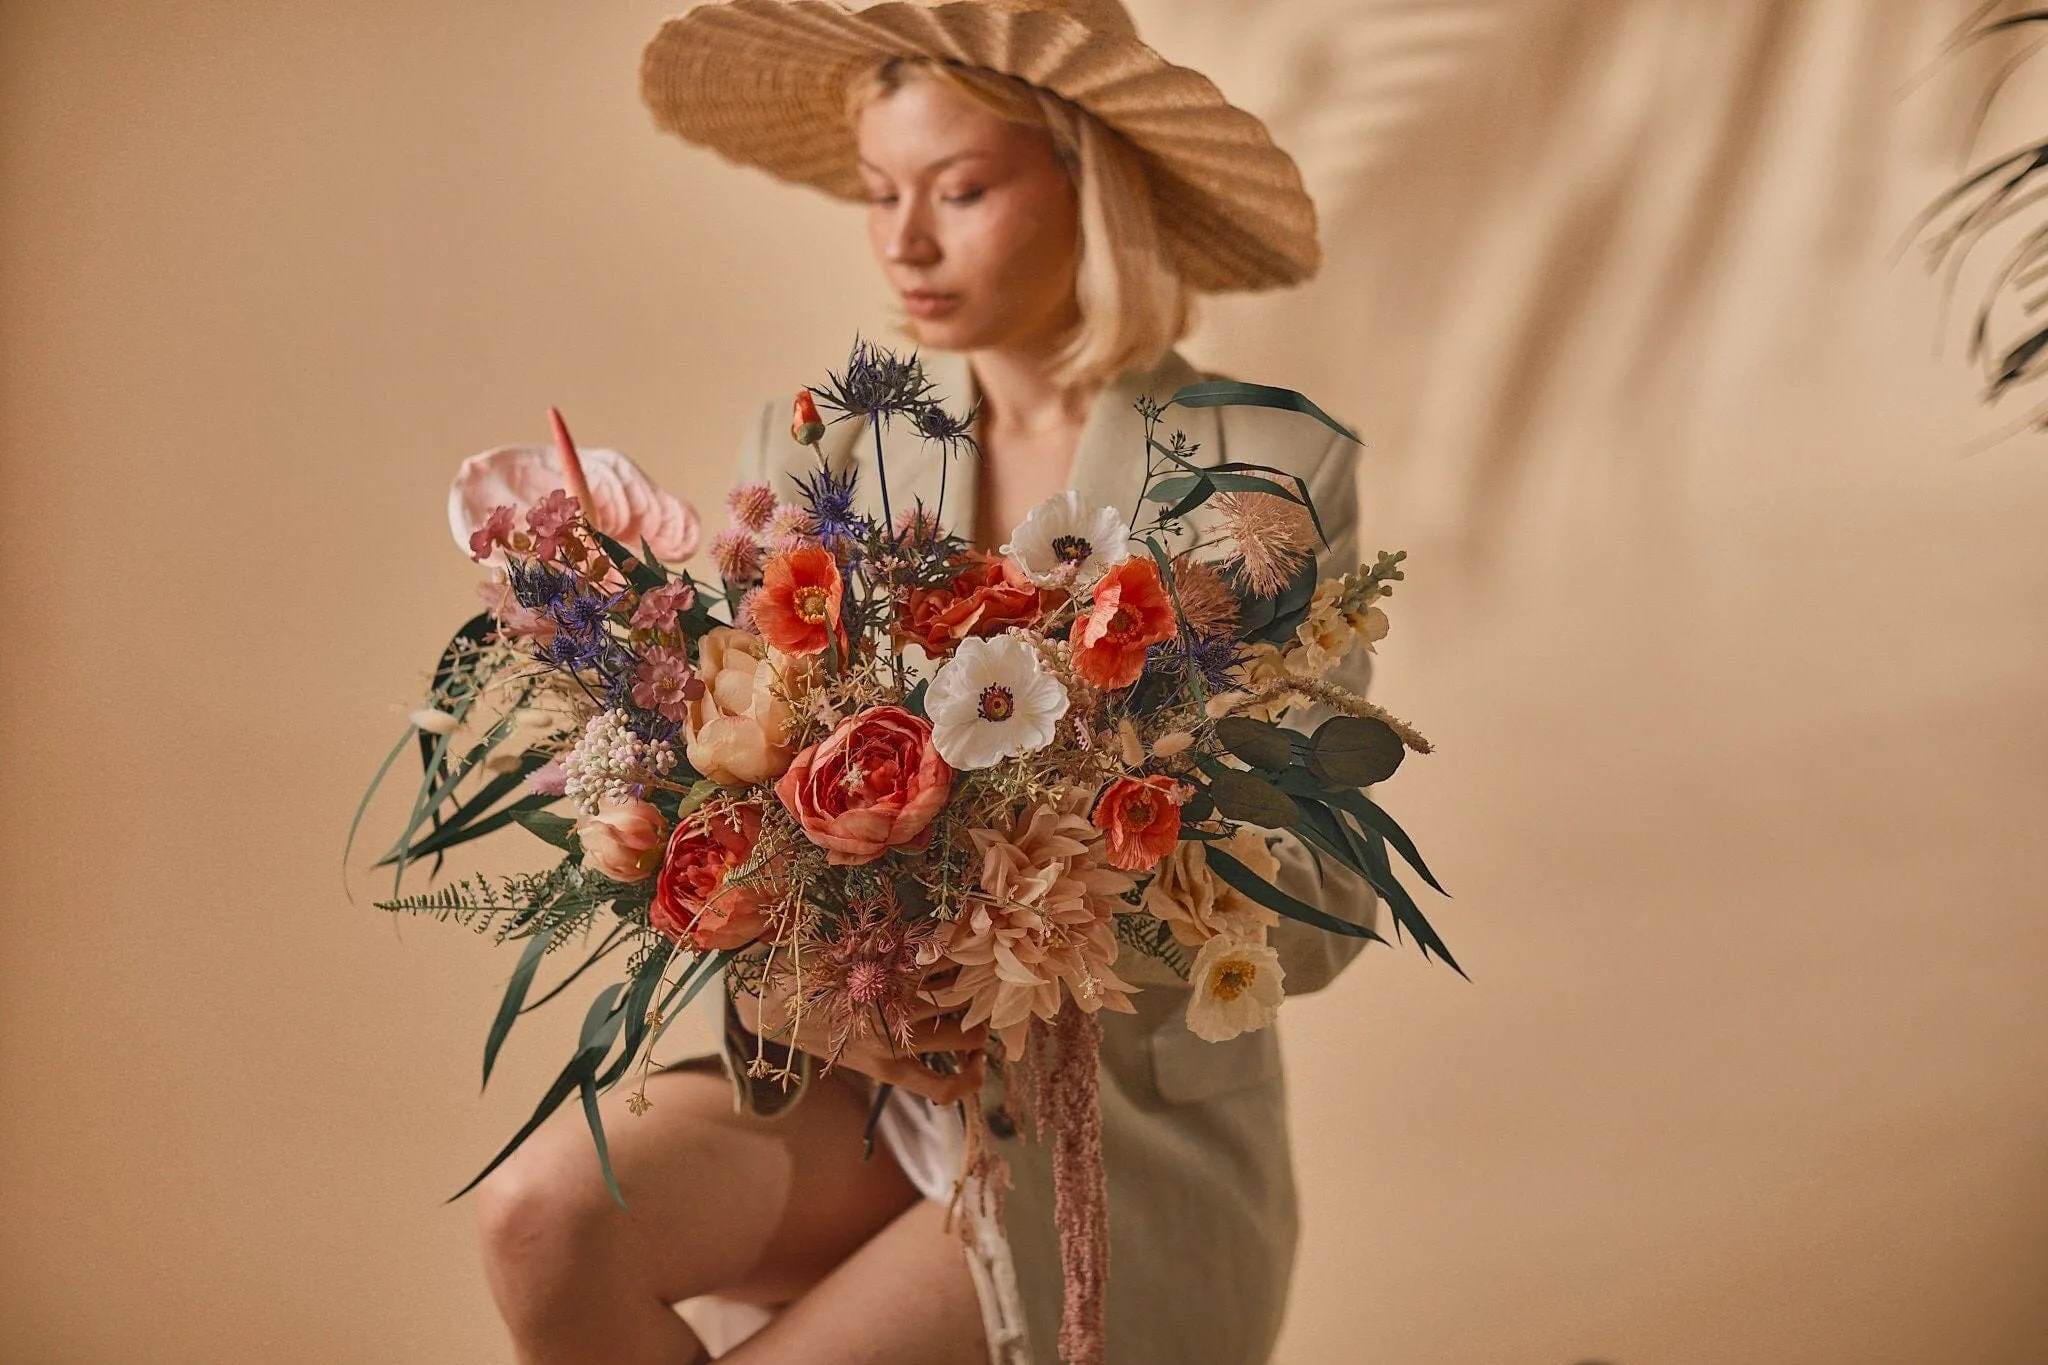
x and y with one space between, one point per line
1133 304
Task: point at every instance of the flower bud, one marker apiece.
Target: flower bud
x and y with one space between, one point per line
623 841
804 423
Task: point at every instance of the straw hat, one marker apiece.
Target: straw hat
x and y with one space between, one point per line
763 83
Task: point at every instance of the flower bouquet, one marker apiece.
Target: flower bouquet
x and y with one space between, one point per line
870 767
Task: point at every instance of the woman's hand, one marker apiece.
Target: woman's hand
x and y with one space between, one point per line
934 1031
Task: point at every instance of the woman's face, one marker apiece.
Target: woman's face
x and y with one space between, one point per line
973 219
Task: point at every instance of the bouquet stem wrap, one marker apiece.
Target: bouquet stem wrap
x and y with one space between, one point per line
1069 1102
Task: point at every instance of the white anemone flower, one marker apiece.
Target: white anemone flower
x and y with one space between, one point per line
991 701
1237 988
1065 542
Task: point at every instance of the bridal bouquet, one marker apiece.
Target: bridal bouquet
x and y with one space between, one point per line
870 767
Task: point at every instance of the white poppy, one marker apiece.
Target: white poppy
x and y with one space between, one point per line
1067 543
990 701
1237 988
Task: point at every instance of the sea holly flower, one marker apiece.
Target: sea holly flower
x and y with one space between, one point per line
1067 542
829 494
1131 611
1238 988
798 607
1140 821
992 700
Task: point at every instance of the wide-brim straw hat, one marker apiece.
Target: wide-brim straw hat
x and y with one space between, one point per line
764 83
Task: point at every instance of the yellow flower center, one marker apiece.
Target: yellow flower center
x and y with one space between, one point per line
997 703
810 604
1231 977
1071 549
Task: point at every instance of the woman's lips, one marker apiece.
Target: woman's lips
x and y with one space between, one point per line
926 303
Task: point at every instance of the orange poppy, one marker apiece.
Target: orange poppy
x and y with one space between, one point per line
797 607
1131 612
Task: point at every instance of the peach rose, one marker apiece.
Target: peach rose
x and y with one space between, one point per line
871 785
623 840
739 729
693 902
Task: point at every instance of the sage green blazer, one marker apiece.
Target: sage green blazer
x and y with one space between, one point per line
1202 1204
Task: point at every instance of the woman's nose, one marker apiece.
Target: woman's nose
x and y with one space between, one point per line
910 237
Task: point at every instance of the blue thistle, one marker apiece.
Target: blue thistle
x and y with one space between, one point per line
828 497
876 384
537 586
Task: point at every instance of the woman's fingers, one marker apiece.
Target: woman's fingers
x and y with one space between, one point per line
907 1073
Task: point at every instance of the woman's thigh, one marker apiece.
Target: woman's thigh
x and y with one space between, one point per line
717 1201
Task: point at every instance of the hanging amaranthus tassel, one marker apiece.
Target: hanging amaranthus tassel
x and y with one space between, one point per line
1069 1102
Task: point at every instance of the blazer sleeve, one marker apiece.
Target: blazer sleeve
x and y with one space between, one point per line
1310 957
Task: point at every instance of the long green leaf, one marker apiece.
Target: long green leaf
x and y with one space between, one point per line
363 805
514 999
1372 815
1273 898
604 1149
597 1041
1406 912
435 843
1234 393
612 939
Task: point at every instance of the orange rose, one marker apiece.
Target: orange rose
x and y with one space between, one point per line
1140 821
1131 612
797 608
871 785
692 901
991 595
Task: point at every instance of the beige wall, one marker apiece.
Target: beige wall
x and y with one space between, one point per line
1732 643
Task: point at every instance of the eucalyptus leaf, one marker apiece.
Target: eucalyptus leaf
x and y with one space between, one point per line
1251 799
1354 751
1259 743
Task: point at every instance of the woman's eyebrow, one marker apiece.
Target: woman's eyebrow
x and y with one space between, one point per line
936 166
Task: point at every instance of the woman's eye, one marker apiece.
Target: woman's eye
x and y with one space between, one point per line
964 197
882 200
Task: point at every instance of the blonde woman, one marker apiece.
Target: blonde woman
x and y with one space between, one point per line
1044 194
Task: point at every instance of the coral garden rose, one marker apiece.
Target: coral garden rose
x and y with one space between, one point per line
798 606
694 901
871 785
738 727
991 595
623 840
1131 612
1140 821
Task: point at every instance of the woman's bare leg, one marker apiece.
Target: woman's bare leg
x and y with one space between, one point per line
719 1202
904 1298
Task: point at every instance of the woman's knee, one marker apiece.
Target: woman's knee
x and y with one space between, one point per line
545 1220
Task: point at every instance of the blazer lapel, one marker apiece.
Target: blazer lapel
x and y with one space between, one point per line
1109 462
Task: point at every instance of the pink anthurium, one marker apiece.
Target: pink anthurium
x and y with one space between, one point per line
613 492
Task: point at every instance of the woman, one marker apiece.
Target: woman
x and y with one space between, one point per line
1042 193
